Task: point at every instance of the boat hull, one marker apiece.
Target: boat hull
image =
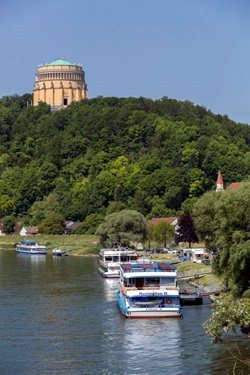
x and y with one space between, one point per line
191 300
109 274
59 253
147 311
31 252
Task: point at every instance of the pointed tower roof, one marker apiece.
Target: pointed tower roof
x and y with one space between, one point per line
219 178
219 182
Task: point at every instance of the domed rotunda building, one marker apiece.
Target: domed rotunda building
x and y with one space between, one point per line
59 83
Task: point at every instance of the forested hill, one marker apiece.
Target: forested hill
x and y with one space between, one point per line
105 154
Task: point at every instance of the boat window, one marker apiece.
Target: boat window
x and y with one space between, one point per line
115 259
154 281
167 281
129 282
133 257
108 259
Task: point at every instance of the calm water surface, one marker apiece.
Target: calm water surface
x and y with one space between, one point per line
59 316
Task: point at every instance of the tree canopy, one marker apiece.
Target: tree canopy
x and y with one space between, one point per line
222 220
124 227
186 231
52 224
105 154
163 233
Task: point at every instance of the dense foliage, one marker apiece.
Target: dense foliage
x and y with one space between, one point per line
103 155
223 221
229 314
163 233
123 227
186 231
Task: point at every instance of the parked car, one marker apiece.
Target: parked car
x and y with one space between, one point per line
172 251
158 251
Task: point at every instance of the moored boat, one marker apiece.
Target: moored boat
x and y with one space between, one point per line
30 247
59 252
110 260
149 290
190 298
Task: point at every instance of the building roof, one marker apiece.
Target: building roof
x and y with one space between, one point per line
74 226
156 220
31 230
234 185
219 178
60 61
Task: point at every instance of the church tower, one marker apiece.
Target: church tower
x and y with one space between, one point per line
219 183
59 83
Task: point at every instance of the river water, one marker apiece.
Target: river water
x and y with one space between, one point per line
59 316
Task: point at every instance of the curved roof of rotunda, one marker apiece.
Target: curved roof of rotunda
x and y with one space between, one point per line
60 61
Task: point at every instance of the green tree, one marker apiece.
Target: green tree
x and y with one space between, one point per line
90 224
228 314
163 233
186 230
7 205
228 217
151 228
40 209
52 224
8 224
124 226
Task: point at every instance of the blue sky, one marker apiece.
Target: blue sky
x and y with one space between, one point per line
196 50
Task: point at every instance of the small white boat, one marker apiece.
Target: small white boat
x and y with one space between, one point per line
110 260
149 290
59 252
30 247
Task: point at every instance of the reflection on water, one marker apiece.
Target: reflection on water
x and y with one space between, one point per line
59 316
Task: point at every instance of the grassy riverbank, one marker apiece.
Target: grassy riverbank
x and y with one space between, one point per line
74 244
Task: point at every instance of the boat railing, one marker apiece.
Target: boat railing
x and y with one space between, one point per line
129 288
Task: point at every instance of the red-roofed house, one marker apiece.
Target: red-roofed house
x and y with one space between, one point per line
234 185
171 220
72 226
28 230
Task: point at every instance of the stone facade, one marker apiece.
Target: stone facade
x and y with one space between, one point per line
59 83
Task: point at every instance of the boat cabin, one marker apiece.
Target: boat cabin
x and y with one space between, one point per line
115 256
149 275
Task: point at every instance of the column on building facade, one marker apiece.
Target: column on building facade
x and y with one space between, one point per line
71 96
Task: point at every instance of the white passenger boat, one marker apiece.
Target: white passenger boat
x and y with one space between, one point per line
110 260
149 290
30 247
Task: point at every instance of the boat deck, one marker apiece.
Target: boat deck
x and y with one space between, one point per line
148 267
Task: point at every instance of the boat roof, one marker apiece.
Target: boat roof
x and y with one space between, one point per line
28 242
150 267
121 250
